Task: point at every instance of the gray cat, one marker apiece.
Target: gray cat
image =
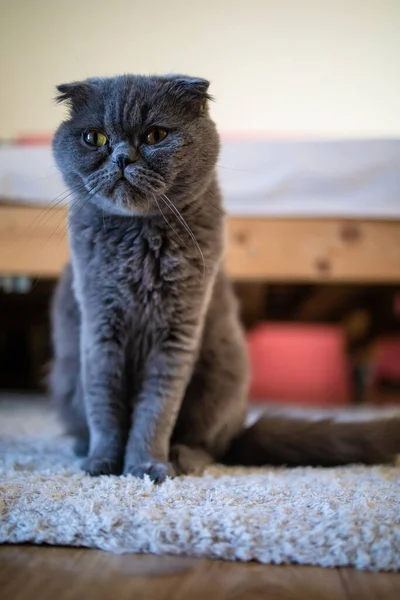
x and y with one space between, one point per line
150 371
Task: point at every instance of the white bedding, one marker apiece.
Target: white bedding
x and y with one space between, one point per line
258 178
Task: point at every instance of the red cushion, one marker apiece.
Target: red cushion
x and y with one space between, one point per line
299 363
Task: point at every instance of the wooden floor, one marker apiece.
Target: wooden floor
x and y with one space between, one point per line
46 573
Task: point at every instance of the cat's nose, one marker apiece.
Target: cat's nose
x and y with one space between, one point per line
123 160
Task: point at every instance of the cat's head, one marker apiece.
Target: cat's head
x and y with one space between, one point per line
130 140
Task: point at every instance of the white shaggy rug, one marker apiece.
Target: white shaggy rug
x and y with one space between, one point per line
328 517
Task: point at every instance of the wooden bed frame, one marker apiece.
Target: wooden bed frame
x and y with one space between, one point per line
33 242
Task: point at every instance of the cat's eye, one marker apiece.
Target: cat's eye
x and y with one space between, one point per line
95 138
155 135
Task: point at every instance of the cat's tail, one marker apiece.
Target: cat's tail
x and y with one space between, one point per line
280 440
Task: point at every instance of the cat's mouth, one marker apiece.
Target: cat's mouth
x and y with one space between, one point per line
127 195
134 191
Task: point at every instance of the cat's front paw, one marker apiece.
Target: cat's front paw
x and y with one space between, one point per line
157 471
102 466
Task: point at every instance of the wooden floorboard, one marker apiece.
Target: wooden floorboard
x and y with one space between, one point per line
46 573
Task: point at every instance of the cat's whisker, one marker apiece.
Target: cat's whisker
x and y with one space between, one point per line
201 191
179 216
56 228
74 204
166 220
218 209
40 219
74 216
62 220
75 200
64 217
232 168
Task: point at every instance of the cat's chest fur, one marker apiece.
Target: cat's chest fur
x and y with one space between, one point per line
137 264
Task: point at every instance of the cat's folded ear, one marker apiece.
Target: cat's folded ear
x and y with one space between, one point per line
191 89
76 94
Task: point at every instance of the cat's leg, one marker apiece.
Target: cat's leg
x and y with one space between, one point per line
66 394
81 446
64 378
103 345
212 414
213 411
158 403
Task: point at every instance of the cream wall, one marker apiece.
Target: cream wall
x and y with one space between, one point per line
283 67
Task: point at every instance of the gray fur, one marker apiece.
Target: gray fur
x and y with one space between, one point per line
150 370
